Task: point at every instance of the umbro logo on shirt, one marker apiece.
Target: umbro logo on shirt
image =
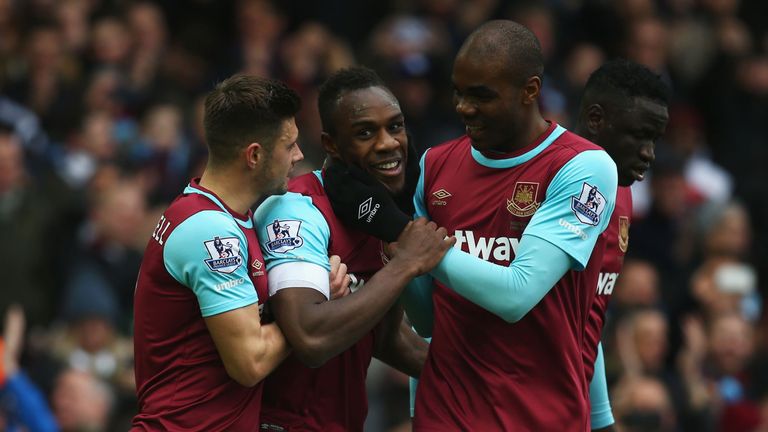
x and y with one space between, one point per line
441 195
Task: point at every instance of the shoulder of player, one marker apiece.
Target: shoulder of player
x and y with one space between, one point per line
289 203
570 144
208 221
307 184
186 205
199 229
448 149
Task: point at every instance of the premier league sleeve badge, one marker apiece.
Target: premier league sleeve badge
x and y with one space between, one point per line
589 205
283 236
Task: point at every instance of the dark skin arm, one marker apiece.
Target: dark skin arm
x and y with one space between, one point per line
318 329
399 346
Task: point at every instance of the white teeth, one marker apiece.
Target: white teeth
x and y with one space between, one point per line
388 165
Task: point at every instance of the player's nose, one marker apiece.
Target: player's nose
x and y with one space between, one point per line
464 108
647 152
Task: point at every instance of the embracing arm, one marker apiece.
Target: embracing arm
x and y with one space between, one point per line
508 292
399 346
249 350
560 237
319 329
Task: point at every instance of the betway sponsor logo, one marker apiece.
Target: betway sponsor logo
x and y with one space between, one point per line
498 248
229 284
606 282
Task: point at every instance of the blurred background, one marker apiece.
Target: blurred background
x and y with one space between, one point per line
100 127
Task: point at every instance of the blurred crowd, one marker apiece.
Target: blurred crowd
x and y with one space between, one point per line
100 127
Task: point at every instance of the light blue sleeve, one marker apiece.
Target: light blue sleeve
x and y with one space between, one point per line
419 204
598 394
291 229
417 295
508 292
416 300
413 384
207 253
561 233
580 201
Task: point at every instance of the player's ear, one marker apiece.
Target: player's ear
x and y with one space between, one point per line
254 154
595 119
329 144
531 90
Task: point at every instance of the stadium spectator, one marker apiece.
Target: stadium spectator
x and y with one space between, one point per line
80 401
23 406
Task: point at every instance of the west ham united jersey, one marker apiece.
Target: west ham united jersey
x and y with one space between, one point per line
331 397
483 373
616 243
203 259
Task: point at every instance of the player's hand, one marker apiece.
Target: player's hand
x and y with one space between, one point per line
421 246
339 278
361 201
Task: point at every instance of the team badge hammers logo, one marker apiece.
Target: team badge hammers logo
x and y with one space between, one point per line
523 202
623 233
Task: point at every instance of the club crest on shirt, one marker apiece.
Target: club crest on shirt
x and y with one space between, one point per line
523 202
283 236
224 254
589 205
623 233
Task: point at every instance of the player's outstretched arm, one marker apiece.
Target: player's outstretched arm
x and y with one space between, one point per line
249 350
318 329
560 236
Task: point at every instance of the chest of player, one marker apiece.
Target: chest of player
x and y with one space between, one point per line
486 209
617 233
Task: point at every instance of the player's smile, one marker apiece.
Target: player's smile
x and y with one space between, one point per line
388 168
371 134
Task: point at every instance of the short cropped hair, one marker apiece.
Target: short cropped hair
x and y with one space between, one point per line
344 80
512 42
245 109
622 79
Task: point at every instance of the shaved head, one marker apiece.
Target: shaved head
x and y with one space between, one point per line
516 45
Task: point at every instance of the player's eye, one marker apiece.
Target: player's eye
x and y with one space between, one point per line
397 126
364 133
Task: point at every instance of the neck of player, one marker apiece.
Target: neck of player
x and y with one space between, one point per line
230 187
